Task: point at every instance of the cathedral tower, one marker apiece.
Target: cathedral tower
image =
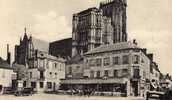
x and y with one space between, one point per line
116 10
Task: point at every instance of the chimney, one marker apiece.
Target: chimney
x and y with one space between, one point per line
150 56
144 50
8 55
134 41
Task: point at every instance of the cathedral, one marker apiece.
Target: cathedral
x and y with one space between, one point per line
97 26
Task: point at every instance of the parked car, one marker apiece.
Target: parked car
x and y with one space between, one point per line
155 95
8 90
24 92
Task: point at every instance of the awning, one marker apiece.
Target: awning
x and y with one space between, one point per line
95 81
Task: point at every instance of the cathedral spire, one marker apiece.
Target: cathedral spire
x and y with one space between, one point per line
25 34
25 30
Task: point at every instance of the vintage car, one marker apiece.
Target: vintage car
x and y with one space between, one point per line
24 92
156 95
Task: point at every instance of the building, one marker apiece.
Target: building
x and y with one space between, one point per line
116 10
166 82
74 67
121 67
43 70
96 26
154 76
90 30
6 73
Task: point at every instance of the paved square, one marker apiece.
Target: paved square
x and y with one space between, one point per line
64 97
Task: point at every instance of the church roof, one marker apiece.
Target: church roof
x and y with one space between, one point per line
40 45
112 47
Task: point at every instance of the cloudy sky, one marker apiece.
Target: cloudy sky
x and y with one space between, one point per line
149 21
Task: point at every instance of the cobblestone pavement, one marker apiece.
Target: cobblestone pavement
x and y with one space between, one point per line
63 97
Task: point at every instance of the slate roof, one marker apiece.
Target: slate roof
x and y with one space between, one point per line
4 64
40 45
112 47
62 48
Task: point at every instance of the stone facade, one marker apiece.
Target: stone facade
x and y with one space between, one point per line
121 65
6 75
44 71
94 27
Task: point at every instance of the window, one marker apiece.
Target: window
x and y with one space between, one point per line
125 72
106 73
136 72
55 65
33 84
115 73
70 70
136 59
30 74
78 67
41 62
125 59
41 74
99 62
92 62
92 74
98 74
106 61
41 84
47 64
115 60
49 85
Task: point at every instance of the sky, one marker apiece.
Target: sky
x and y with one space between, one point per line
148 21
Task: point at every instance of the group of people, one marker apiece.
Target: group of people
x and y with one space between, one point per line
82 92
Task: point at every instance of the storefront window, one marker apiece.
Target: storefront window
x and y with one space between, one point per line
49 85
41 85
